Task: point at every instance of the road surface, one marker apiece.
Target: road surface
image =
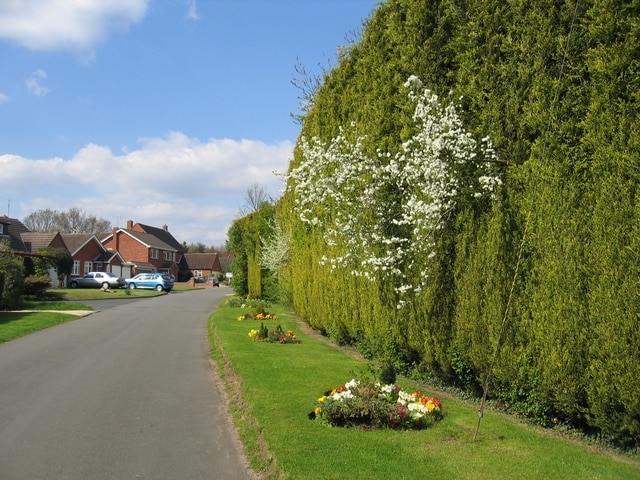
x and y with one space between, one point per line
124 393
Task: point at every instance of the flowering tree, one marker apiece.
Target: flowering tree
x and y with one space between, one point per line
382 213
275 248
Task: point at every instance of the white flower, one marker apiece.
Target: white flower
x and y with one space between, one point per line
349 195
352 384
417 407
341 396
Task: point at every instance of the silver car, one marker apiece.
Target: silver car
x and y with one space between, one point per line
97 280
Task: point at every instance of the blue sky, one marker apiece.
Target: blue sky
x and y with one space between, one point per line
158 111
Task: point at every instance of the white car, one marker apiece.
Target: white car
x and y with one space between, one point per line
97 280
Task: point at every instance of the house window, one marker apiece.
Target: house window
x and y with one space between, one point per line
168 255
2 227
87 267
197 273
154 253
76 268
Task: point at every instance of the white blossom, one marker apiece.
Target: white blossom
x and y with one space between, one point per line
350 195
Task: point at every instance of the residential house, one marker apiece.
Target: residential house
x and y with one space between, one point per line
146 248
200 265
89 255
35 242
10 230
28 244
226 259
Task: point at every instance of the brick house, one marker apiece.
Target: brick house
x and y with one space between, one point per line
146 248
89 255
200 265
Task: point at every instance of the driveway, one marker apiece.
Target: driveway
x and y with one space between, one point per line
124 393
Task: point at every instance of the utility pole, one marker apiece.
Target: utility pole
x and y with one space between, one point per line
9 208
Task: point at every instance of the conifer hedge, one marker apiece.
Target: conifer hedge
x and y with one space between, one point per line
545 276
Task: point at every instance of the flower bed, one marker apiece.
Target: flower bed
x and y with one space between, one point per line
376 405
278 335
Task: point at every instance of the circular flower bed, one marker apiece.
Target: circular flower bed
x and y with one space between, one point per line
375 405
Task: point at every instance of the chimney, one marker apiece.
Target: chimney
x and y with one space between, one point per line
129 224
116 240
165 228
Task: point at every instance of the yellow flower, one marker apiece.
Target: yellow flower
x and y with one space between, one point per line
253 333
317 411
322 399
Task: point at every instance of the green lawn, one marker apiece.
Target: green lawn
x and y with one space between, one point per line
79 294
273 387
18 324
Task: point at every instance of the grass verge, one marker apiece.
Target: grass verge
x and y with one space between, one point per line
272 387
79 294
19 324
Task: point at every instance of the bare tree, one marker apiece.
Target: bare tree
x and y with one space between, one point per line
74 220
254 198
44 220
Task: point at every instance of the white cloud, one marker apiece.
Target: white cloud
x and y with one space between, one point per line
192 10
34 83
196 188
4 98
76 25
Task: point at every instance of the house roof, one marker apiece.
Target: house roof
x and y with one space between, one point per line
143 266
225 263
201 261
34 241
106 257
163 235
14 228
75 241
147 239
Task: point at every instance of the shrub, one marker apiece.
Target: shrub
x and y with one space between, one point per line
36 285
11 269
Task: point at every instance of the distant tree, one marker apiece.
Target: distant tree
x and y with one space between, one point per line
255 197
74 220
195 247
44 220
199 247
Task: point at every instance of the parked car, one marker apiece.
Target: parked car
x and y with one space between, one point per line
154 281
97 280
215 282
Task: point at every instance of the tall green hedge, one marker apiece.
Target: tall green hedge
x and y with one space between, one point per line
544 278
245 242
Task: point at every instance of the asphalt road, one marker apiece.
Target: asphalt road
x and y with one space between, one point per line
124 393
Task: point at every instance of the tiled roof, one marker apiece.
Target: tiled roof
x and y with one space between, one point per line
200 261
35 241
149 240
75 241
162 235
15 227
225 263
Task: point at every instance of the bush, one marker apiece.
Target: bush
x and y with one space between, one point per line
11 270
36 285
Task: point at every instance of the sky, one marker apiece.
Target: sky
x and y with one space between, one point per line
164 112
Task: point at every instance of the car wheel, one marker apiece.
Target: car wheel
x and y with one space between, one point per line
159 288
73 284
132 286
105 285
